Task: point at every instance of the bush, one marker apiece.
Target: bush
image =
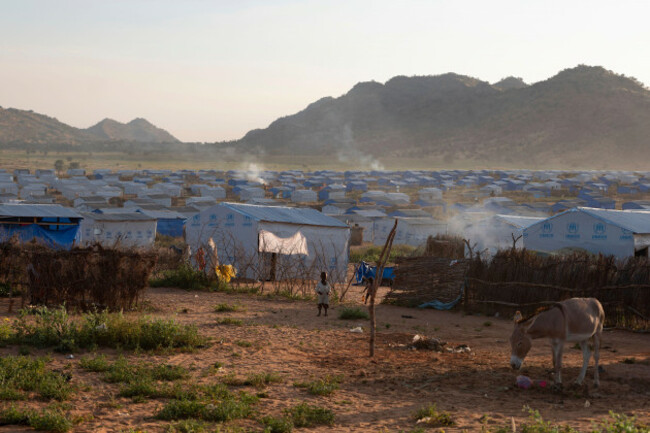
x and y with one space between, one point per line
432 417
353 313
277 425
371 254
324 386
184 277
229 408
305 415
187 426
230 321
19 373
226 308
55 328
46 420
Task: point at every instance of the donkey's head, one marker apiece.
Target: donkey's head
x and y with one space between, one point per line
520 342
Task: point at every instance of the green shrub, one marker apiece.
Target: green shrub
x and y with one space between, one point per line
19 373
227 409
98 364
277 425
226 308
353 313
305 415
260 380
184 277
46 420
230 321
371 254
325 386
621 423
433 417
55 328
188 426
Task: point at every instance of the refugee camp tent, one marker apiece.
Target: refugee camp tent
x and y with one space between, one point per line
49 224
622 233
410 231
261 240
497 232
125 230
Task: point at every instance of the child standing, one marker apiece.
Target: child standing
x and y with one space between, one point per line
323 290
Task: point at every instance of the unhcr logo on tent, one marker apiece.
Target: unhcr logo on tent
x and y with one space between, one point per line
572 230
599 231
626 235
547 229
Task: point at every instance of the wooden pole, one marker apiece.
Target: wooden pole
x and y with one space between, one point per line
381 262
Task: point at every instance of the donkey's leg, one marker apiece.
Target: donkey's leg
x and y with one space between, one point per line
596 357
586 354
557 346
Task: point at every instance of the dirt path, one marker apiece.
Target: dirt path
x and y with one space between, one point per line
287 338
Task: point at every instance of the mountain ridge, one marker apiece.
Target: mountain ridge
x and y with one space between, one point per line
587 113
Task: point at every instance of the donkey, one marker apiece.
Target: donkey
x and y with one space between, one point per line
573 320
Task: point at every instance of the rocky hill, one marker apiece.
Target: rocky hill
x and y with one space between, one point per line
26 126
29 127
138 130
584 116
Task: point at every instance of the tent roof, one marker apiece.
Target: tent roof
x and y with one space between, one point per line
288 215
36 211
519 221
124 216
636 221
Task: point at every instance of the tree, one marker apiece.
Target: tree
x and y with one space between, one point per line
58 165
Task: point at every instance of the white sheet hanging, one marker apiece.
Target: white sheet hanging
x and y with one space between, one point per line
270 243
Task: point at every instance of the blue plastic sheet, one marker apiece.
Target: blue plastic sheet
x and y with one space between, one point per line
366 271
58 239
170 227
438 305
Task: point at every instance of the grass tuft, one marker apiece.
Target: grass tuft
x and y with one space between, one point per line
306 415
431 416
353 313
325 386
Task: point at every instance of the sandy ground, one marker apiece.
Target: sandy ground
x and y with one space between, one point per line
377 394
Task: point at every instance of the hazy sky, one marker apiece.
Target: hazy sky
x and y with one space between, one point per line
212 70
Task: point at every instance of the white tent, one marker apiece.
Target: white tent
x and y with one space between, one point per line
125 230
263 242
410 231
497 231
622 233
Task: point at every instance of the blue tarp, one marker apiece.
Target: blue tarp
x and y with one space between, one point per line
366 270
170 227
58 239
438 305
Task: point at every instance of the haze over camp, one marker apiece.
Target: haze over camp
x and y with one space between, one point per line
312 216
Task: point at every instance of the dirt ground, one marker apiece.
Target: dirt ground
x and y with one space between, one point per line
377 394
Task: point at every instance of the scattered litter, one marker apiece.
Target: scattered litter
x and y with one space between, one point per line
525 382
70 356
421 342
101 327
425 420
587 404
357 330
463 348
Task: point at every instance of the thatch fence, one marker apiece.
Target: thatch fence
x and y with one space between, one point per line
91 277
519 280
423 279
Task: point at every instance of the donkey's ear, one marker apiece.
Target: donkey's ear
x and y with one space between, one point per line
518 316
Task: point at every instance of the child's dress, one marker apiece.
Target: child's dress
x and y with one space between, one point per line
323 291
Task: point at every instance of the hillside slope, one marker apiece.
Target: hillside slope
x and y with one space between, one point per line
139 130
584 115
